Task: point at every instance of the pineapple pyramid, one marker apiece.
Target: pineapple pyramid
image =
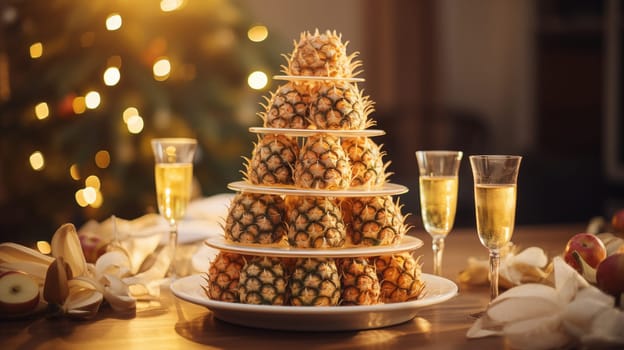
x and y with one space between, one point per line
320 92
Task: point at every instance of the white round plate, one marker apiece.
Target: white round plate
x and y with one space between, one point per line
408 243
310 132
316 78
320 318
387 189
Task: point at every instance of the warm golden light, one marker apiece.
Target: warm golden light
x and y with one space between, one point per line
93 181
74 172
44 247
89 194
161 69
92 99
257 80
170 5
42 111
98 200
112 76
80 199
129 112
258 33
102 159
78 105
113 22
36 50
36 161
135 124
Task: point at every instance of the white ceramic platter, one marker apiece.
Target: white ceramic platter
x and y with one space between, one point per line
310 132
321 318
388 189
316 78
408 243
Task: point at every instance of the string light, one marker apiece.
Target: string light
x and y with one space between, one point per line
129 112
89 194
111 76
161 69
102 159
80 199
36 161
135 124
92 99
113 22
36 50
257 80
74 172
93 182
78 105
258 33
42 111
170 5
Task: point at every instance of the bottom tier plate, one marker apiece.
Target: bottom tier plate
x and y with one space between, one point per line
323 318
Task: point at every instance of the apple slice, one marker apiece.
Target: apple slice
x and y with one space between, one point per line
19 293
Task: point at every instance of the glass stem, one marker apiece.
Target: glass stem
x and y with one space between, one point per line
437 246
494 266
173 245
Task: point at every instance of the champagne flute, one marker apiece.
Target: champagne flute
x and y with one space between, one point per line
438 197
174 175
495 178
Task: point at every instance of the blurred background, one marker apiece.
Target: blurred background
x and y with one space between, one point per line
85 85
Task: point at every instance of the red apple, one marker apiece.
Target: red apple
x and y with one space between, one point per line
617 221
19 293
589 247
610 275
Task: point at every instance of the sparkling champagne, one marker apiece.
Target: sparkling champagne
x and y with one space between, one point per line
173 189
438 202
495 207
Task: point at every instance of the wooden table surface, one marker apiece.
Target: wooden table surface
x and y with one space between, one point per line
179 324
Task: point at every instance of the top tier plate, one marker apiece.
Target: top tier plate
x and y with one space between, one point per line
316 78
310 132
388 189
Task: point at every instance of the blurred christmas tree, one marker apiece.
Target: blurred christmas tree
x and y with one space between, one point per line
84 86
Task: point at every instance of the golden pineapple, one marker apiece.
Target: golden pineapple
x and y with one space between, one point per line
314 282
223 276
263 280
340 105
322 164
272 160
367 166
373 220
255 218
287 107
314 222
321 54
400 277
359 281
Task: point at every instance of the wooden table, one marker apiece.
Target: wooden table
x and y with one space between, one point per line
180 324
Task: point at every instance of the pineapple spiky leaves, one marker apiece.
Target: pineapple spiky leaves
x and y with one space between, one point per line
315 282
400 277
255 219
272 161
263 280
359 281
314 222
223 277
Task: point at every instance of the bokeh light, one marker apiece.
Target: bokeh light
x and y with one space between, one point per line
80 199
112 76
170 5
92 181
78 105
102 159
41 110
258 33
74 172
161 69
92 99
89 194
113 22
36 50
129 112
44 247
135 124
36 161
257 80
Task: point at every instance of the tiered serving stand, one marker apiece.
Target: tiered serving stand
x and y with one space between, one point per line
322 318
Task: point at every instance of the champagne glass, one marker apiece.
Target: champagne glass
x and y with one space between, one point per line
495 178
174 175
438 197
